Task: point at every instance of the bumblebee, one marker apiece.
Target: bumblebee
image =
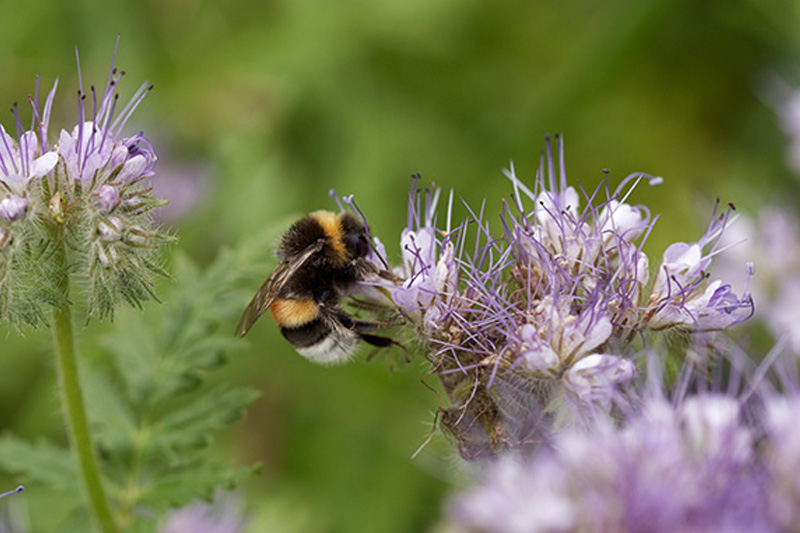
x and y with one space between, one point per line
322 258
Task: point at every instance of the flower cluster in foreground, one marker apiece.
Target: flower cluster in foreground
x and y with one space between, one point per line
692 466
88 194
541 326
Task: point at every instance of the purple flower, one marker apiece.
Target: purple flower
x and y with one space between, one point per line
428 264
785 101
517 496
771 241
688 467
680 296
782 456
94 152
551 310
595 378
97 197
25 158
222 516
106 173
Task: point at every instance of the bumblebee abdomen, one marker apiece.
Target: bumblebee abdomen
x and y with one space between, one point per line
335 348
317 337
292 313
322 341
308 334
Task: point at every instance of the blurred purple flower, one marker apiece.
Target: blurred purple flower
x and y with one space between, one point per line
785 100
782 457
221 516
771 241
685 467
184 185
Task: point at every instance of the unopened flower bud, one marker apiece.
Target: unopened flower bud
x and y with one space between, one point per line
13 207
107 198
138 236
110 230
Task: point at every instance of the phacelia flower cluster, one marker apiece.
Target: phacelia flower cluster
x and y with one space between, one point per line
87 196
540 323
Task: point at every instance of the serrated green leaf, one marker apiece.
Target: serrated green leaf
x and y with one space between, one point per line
197 480
153 428
42 462
136 355
191 426
112 420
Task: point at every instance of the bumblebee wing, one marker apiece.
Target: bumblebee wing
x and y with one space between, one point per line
271 287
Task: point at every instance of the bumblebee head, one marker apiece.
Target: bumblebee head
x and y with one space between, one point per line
354 236
346 236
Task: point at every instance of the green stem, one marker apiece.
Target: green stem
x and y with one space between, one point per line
75 410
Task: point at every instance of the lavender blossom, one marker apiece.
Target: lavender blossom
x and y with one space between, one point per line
540 327
785 100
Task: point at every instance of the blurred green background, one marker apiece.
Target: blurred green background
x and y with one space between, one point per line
262 107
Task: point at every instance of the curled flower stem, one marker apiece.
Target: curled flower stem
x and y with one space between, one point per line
74 408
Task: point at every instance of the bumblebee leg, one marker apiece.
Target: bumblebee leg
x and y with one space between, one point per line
389 275
382 342
365 325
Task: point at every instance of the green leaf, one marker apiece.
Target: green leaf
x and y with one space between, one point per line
195 480
151 410
191 426
41 463
113 421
